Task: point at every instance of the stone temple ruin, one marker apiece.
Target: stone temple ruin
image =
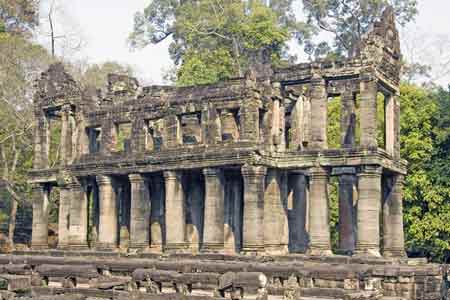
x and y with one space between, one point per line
222 190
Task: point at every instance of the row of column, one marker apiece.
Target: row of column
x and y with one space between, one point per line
265 227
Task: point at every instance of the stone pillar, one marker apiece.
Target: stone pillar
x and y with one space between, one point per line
348 119
298 227
389 124
157 227
175 211
253 223
172 131
249 120
41 142
211 125
319 113
347 211
108 227
393 235
368 111
213 235
140 212
66 136
275 216
319 228
396 127
109 137
368 211
78 216
39 237
138 134
63 217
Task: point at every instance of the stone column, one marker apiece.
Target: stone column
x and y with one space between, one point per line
211 125
175 211
253 223
396 127
157 227
319 228
39 237
41 142
78 216
275 217
347 212
172 131
319 113
213 235
109 137
63 217
389 124
66 136
393 235
298 227
140 212
368 111
138 134
348 119
108 227
249 120
368 211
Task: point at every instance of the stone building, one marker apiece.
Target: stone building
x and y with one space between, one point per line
241 166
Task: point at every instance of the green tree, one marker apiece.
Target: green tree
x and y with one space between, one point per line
427 190
20 63
348 21
213 40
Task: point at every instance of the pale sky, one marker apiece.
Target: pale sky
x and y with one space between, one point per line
106 24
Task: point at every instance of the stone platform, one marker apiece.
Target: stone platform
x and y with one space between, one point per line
109 275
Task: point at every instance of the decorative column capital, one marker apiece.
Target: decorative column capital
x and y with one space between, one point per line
103 180
253 171
136 178
172 175
370 170
319 173
212 172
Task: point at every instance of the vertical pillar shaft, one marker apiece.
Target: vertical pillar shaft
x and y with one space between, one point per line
368 211
157 227
213 236
253 225
172 131
108 227
275 217
249 117
298 227
319 229
109 137
63 217
175 211
396 127
66 136
39 238
348 119
319 113
347 226
140 212
390 124
78 216
42 142
138 135
393 235
211 125
368 111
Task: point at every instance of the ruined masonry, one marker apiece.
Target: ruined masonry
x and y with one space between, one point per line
234 171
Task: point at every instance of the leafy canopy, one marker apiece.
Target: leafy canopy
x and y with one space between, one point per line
213 40
348 20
